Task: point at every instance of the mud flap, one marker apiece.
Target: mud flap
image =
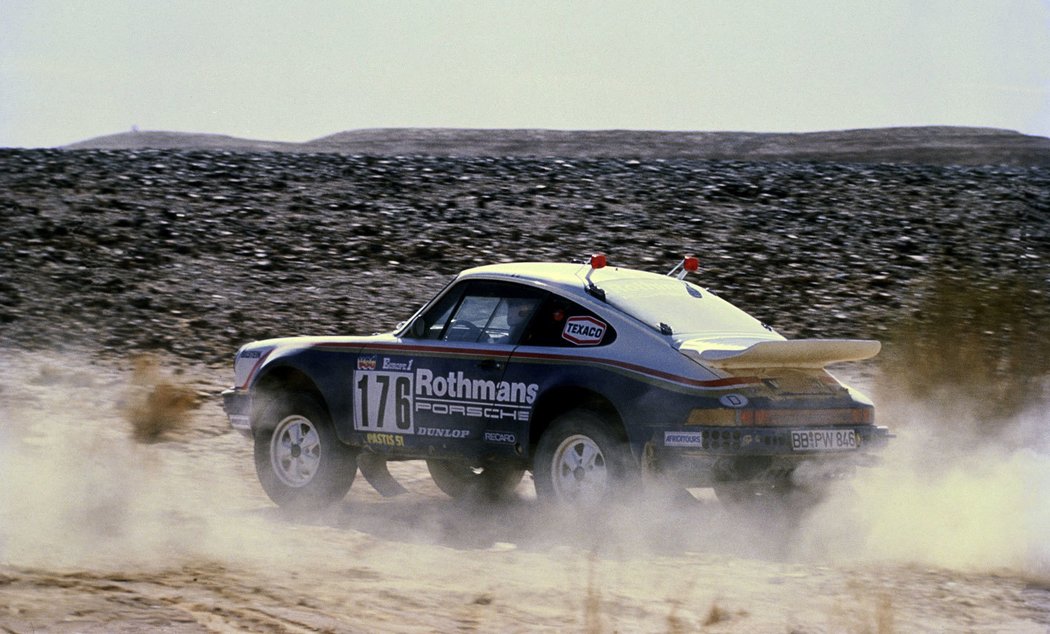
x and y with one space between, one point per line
373 468
660 484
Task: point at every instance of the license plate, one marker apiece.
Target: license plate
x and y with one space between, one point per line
823 440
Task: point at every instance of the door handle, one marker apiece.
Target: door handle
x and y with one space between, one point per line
489 364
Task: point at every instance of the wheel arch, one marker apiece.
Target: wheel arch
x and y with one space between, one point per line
278 381
553 403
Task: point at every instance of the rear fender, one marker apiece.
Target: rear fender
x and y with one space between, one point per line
553 403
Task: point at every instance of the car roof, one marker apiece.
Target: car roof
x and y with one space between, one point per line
568 276
557 272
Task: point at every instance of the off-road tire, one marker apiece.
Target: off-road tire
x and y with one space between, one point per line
582 460
300 462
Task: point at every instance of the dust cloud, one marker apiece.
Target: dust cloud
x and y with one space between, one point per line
952 491
78 488
89 516
83 487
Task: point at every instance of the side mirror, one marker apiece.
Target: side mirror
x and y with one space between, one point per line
418 329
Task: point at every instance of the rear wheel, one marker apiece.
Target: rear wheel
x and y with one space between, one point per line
459 479
300 462
580 460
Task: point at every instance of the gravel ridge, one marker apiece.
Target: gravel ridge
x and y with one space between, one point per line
197 252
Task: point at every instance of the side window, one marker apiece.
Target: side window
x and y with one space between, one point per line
561 323
475 313
431 324
481 311
509 319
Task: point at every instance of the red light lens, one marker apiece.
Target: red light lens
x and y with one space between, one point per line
691 263
598 261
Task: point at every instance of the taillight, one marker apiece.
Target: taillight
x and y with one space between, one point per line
764 417
713 416
864 415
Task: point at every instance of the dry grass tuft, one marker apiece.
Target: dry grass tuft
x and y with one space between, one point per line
864 613
716 615
592 605
675 624
156 406
973 347
884 616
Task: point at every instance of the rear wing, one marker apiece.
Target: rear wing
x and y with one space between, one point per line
792 353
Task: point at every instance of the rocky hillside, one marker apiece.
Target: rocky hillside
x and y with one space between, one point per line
196 252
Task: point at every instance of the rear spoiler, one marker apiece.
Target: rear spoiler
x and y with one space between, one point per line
792 353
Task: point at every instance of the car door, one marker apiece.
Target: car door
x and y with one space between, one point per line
449 367
553 352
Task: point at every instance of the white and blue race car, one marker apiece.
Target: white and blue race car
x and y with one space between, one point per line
585 374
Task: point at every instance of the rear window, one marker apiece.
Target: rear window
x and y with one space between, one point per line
683 307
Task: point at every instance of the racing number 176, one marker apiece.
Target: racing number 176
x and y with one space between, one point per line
389 393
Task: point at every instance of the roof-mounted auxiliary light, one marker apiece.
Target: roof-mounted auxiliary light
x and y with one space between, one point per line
689 264
598 261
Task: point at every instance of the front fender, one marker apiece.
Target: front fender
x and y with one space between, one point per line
323 371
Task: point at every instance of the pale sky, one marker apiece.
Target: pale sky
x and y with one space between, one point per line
294 71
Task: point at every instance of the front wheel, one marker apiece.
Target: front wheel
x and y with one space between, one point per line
581 460
300 462
459 480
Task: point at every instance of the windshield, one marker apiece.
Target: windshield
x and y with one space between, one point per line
667 302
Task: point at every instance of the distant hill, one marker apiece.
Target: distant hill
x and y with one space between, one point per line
937 145
159 140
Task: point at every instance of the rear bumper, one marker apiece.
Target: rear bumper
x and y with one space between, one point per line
771 441
238 406
703 456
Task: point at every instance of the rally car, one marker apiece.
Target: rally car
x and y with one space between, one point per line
587 375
